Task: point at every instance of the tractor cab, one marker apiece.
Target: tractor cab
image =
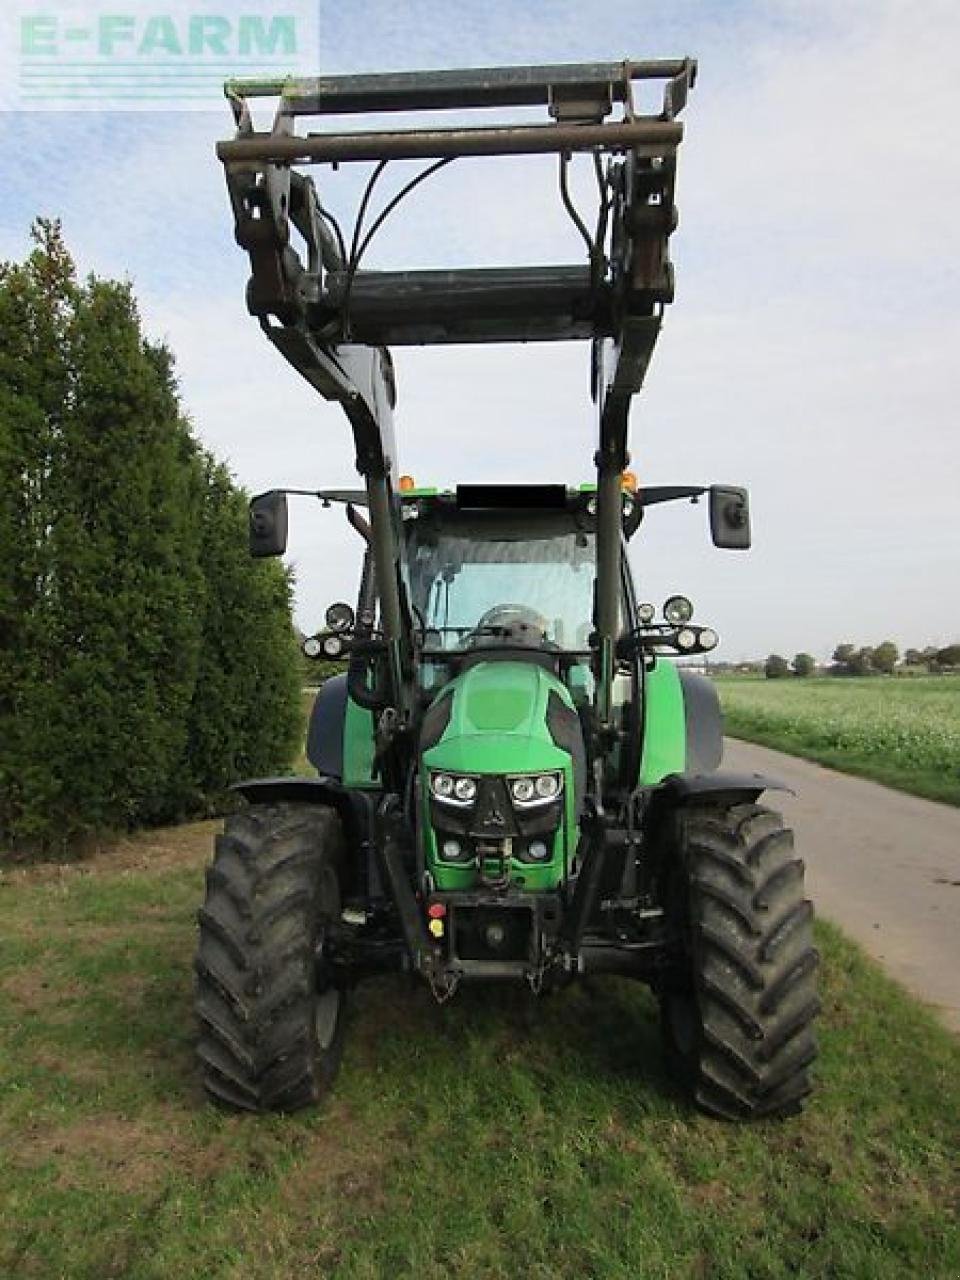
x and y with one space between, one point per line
505 567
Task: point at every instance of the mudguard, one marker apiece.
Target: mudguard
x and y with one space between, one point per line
685 788
703 723
325 735
354 806
340 739
682 724
290 790
683 742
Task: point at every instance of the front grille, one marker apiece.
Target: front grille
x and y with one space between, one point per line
492 817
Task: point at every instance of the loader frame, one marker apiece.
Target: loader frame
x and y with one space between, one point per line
333 320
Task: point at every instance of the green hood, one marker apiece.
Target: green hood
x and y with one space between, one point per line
498 720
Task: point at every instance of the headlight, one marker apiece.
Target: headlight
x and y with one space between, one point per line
456 851
333 646
465 789
686 638
708 638
339 617
523 790
645 614
547 786
536 788
452 788
678 610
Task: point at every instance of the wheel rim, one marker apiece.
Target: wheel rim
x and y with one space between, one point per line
327 1016
329 997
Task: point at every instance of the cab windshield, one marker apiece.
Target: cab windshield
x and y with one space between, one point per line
478 581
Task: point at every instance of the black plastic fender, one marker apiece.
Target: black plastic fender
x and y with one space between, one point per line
703 721
325 734
291 790
354 806
688 788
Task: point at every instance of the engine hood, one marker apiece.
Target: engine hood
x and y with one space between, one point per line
501 717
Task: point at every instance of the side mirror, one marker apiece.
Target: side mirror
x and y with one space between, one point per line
729 517
268 524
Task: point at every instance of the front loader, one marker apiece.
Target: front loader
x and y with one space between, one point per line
515 780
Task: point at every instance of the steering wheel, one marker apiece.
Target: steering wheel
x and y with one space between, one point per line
525 625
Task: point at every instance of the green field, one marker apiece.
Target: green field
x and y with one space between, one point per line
900 731
495 1137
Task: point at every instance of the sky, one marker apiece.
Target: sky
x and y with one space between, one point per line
812 352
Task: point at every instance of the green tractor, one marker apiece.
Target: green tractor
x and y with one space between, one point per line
515 780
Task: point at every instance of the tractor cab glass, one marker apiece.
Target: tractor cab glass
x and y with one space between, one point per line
480 581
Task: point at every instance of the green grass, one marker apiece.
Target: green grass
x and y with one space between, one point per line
902 732
495 1137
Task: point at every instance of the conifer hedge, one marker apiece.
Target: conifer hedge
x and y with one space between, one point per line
146 662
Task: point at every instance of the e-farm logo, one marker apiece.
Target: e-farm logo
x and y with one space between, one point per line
171 55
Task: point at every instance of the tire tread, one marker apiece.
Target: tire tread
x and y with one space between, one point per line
748 977
256 962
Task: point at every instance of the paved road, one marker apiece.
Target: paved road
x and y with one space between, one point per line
884 865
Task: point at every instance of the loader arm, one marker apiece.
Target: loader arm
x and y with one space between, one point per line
333 320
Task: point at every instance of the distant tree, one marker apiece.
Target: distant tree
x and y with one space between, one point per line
930 657
949 656
885 657
861 663
776 667
843 658
913 658
803 665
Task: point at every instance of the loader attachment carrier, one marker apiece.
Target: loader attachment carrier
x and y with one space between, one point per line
333 320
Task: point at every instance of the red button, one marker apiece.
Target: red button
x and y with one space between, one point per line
437 910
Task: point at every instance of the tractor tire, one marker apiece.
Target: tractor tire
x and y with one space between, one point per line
737 1013
271 1017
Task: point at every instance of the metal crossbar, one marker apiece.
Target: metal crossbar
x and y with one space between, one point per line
459 89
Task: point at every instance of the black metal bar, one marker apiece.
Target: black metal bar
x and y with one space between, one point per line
597 834
360 378
492 969
439 90
652 494
609 520
632 961
385 560
524 288
475 305
398 884
617 386
661 137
